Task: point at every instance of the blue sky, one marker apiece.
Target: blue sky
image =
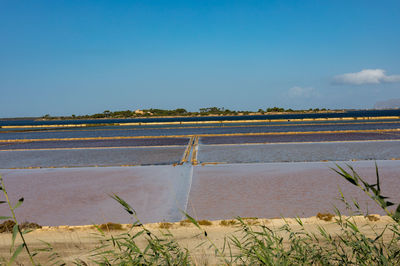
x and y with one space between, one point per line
79 57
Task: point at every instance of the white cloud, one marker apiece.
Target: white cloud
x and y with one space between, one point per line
366 76
300 92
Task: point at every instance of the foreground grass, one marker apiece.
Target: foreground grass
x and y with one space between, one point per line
72 242
337 239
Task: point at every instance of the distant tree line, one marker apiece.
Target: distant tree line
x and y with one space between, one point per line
208 111
277 109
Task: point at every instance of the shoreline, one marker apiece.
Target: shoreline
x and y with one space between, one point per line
319 218
201 122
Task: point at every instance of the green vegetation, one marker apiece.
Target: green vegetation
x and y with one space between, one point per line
325 216
209 111
204 222
165 225
185 222
255 244
228 222
110 226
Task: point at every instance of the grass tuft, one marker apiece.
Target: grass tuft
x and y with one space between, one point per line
186 222
251 220
373 218
7 226
165 225
110 226
204 222
325 216
227 222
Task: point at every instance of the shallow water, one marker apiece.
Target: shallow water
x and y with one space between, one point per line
193 130
321 137
284 189
255 182
228 149
75 196
91 157
300 152
95 143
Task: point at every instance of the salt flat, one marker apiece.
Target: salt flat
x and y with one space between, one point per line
81 157
76 196
300 152
283 189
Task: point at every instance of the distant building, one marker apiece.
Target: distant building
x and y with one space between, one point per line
139 112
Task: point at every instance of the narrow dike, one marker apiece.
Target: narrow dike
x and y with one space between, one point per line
185 171
186 154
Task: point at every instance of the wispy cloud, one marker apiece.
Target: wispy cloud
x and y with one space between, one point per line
366 76
300 92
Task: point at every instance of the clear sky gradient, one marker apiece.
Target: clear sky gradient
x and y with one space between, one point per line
80 57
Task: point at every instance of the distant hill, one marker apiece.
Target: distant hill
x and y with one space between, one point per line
388 104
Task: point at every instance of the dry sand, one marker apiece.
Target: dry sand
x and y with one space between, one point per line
72 242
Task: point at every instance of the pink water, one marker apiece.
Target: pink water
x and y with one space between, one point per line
81 195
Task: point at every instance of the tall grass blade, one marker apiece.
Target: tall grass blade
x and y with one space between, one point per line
16 253
124 204
14 235
192 220
20 201
396 215
377 178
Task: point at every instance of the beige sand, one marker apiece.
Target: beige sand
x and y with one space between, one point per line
72 242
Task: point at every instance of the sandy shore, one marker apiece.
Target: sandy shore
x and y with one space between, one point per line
72 242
